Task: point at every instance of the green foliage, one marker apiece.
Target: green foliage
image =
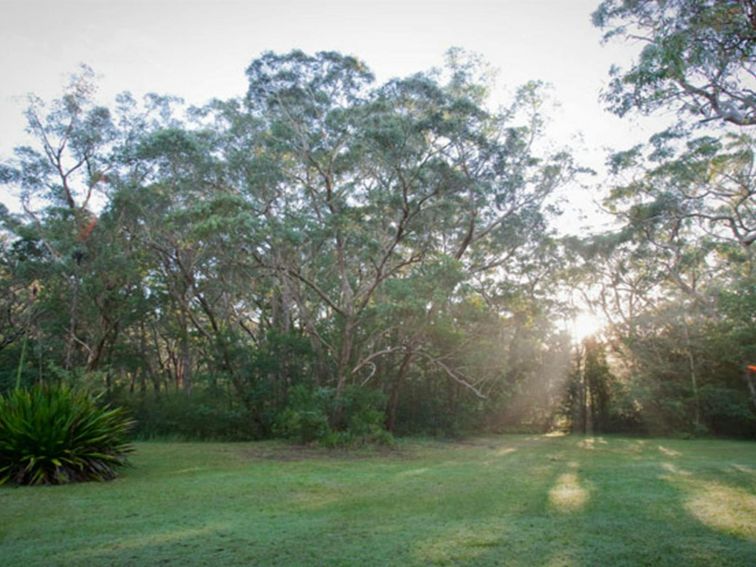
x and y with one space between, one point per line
738 327
305 418
728 411
688 377
683 258
309 417
56 435
697 55
324 256
362 415
435 406
10 358
205 415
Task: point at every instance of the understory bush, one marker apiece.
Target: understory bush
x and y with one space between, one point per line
305 418
316 414
205 415
56 435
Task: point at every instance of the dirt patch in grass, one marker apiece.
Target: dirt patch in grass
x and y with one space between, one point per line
299 452
277 451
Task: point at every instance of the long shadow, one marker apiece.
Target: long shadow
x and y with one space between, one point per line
434 512
569 501
647 516
448 516
565 505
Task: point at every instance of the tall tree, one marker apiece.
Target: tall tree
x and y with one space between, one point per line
697 57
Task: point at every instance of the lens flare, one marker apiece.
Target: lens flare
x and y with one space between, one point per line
585 325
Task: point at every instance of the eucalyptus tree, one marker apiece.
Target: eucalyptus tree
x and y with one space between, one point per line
322 232
373 184
72 243
62 180
686 199
697 57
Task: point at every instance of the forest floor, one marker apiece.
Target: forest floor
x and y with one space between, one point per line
504 500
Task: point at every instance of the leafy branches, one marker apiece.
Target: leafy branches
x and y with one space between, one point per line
697 56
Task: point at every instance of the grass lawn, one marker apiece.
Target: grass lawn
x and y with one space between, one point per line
506 500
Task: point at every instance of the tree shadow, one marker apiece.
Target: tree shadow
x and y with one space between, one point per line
573 501
656 513
511 501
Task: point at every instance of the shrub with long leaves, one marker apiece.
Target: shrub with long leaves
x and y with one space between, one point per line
56 435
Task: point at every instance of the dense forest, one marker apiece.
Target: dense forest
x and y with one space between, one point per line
331 258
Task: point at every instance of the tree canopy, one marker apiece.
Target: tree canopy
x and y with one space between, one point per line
327 257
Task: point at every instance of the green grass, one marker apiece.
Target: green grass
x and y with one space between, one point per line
507 500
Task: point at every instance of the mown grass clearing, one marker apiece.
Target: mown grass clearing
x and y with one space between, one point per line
506 500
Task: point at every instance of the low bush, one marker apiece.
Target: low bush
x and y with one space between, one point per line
305 418
355 418
56 435
363 415
205 416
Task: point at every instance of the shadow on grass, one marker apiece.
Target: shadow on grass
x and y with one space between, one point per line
576 501
496 501
653 513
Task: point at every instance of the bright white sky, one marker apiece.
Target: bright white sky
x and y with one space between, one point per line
199 49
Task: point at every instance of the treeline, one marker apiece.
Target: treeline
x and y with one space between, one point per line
330 258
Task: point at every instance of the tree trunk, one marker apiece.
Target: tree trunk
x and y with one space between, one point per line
186 364
68 360
693 377
396 386
748 375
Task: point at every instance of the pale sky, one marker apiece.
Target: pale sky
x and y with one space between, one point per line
199 49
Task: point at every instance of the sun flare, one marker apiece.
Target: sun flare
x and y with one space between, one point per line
585 325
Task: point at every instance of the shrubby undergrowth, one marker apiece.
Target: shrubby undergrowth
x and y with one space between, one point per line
55 435
205 415
356 418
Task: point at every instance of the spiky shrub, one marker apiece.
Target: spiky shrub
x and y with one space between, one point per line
55 435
